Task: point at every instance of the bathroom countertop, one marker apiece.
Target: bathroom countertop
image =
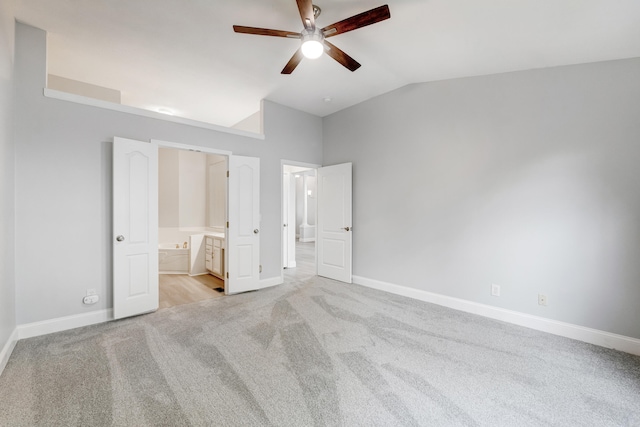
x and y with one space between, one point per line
215 234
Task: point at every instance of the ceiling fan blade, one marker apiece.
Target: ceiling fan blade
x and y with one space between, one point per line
341 57
357 21
306 14
293 62
265 32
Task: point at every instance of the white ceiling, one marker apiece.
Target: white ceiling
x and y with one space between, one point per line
183 54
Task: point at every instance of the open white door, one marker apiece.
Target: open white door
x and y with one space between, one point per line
334 222
135 227
243 238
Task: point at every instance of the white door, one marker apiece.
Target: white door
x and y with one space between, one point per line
334 222
135 227
243 234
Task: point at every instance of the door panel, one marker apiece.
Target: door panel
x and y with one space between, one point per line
135 227
334 222
243 237
334 252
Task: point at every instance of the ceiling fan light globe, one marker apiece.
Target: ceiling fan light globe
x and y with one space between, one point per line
312 49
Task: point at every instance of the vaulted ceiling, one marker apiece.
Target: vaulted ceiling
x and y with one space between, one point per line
183 55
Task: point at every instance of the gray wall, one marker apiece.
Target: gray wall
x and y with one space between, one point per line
7 205
182 188
528 180
63 184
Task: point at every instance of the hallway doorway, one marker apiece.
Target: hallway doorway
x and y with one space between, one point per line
299 208
305 263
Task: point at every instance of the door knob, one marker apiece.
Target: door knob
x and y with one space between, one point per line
120 238
256 231
285 225
347 228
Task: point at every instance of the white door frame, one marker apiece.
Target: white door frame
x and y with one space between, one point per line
284 163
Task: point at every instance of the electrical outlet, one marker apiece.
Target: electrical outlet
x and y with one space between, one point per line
542 299
495 290
91 299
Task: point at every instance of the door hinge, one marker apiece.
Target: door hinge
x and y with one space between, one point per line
227 174
227 224
227 274
260 269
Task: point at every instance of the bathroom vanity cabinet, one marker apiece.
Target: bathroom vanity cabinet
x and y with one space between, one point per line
214 255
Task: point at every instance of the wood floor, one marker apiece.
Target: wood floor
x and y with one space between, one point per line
305 263
178 289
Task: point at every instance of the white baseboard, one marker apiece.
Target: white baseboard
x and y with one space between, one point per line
576 332
273 281
6 351
63 323
60 324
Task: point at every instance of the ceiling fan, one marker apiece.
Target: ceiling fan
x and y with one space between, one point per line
314 40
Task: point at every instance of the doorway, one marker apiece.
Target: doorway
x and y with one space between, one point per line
299 211
135 225
191 225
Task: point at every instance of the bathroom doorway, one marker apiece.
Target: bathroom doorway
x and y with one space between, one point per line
135 226
299 210
192 213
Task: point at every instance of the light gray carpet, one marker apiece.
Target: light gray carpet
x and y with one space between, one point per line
315 353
